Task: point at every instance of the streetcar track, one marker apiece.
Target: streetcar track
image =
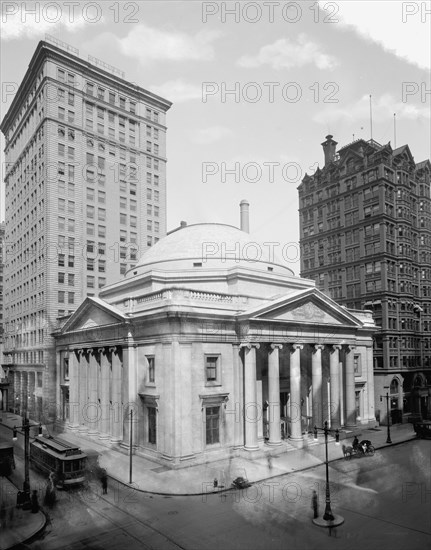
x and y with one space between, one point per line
136 519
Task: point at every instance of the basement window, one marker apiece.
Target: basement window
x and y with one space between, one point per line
270 268
197 264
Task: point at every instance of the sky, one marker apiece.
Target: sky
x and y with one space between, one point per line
255 86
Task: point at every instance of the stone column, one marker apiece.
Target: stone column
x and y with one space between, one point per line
59 359
116 404
251 412
295 392
22 394
16 391
83 390
93 409
105 373
316 383
73 390
274 395
350 388
130 392
31 381
370 385
334 365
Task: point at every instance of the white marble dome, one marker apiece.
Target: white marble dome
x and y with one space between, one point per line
214 246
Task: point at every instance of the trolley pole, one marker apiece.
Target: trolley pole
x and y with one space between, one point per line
25 431
130 445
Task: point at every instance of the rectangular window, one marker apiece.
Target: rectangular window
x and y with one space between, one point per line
357 365
151 369
152 425
61 278
61 295
212 418
211 368
61 113
71 279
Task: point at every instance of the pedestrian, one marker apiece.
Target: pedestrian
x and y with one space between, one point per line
215 483
269 458
34 503
104 480
315 505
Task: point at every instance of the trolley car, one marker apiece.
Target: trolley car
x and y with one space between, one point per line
65 461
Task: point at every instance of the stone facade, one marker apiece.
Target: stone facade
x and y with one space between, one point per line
258 360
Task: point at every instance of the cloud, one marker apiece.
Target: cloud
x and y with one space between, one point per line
286 54
43 19
382 22
211 134
178 91
383 110
149 44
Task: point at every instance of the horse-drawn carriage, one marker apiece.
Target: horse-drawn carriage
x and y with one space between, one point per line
358 448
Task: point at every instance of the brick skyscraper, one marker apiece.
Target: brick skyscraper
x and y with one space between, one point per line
365 236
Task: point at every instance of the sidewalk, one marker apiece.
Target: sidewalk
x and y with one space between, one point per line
17 525
152 477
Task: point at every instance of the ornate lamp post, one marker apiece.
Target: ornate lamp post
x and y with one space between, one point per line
388 439
25 431
329 519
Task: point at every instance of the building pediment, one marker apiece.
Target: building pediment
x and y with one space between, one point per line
310 306
93 313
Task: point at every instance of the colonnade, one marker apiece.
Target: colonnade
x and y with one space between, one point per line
342 395
95 392
24 399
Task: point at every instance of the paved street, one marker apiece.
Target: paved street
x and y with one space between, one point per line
382 498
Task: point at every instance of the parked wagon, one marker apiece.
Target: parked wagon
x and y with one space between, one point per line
54 455
359 448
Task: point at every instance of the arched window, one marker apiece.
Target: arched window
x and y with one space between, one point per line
394 386
417 382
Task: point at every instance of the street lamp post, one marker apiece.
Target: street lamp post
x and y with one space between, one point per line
25 431
329 519
388 439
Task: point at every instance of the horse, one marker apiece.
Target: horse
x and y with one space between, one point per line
347 451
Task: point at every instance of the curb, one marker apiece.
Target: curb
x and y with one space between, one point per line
230 489
35 533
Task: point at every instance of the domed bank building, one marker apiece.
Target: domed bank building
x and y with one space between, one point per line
212 345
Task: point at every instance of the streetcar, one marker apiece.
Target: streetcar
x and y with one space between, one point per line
58 457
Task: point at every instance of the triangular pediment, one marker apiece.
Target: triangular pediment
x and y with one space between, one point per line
93 313
309 307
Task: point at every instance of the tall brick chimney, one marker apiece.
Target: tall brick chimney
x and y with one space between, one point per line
329 147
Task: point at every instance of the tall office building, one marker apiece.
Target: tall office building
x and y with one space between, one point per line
365 237
1 292
85 194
